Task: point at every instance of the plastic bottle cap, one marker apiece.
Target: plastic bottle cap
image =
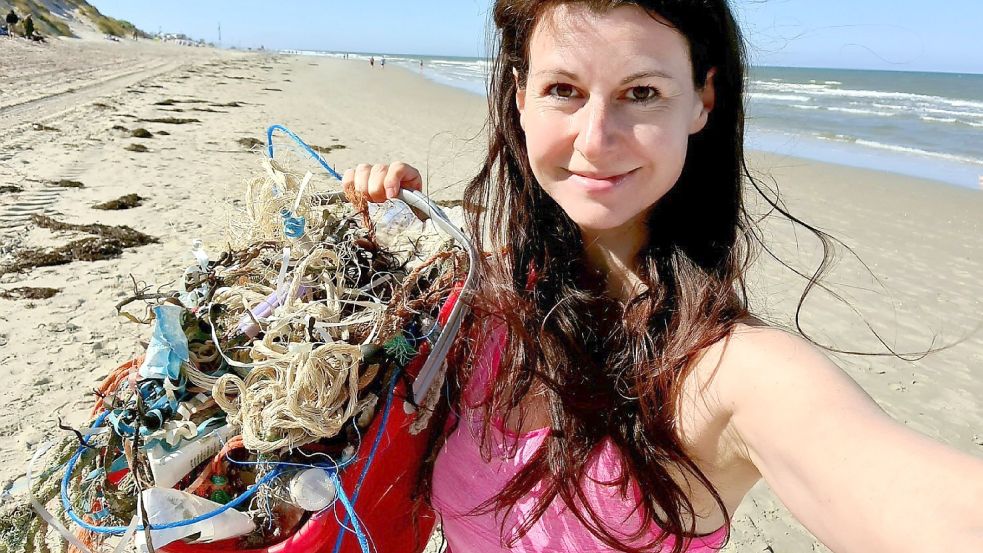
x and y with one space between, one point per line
219 480
220 496
312 490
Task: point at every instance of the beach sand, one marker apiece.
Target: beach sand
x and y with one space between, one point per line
923 240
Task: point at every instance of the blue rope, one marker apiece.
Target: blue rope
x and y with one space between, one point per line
120 530
349 519
314 155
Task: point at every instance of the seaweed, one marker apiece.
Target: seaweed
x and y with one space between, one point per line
108 242
123 202
66 183
29 293
169 120
250 143
141 133
136 148
327 149
10 189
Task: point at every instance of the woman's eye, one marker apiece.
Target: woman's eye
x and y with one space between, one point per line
642 93
561 90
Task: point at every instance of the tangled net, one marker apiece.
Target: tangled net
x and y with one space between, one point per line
287 340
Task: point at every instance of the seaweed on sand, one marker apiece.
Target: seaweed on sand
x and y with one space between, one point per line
169 120
123 202
251 143
29 293
108 242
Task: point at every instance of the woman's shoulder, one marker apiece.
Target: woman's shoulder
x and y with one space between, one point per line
724 372
752 350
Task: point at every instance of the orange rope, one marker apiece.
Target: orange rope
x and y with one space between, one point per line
215 466
112 382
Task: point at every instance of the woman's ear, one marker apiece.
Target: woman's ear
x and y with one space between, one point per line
707 98
520 97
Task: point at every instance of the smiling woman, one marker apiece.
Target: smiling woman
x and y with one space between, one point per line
614 391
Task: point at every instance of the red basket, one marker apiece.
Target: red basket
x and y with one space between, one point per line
383 504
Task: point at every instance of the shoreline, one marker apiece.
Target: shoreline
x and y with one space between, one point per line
946 168
923 241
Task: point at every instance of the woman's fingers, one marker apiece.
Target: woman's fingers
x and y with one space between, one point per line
401 175
377 176
362 171
381 182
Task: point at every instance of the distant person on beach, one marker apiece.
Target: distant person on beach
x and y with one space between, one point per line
372 61
382 63
29 26
612 389
12 20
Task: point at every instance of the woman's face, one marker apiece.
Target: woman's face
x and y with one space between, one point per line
607 109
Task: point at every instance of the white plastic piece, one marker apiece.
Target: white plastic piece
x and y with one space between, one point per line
312 490
169 468
165 506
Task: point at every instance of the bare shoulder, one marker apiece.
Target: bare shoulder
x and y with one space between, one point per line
757 354
757 367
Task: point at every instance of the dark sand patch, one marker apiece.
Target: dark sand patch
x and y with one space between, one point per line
163 133
40 127
10 189
128 201
141 133
140 148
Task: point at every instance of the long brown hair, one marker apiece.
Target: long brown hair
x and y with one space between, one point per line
609 371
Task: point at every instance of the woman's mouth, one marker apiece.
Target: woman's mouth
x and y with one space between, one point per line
597 182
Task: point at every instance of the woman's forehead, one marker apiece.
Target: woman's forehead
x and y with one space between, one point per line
572 38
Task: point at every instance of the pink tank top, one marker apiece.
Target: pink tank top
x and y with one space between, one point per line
463 480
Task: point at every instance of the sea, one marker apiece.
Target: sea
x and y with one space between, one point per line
927 125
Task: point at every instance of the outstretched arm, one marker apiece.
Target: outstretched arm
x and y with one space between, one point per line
857 479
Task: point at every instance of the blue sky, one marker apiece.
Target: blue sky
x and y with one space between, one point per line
903 35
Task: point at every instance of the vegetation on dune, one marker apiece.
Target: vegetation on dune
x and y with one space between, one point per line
51 24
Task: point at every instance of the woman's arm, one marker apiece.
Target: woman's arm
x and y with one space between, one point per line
857 479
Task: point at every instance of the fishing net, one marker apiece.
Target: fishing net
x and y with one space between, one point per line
266 372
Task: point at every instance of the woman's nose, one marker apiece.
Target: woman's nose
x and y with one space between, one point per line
597 130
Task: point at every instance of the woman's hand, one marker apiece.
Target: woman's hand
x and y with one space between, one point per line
379 183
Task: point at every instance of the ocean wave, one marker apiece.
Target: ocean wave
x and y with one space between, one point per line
785 97
827 91
802 106
938 119
897 148
857 111
918 151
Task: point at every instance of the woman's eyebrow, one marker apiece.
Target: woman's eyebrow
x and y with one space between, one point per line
645 75
633 77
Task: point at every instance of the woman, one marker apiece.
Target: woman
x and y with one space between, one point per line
615 393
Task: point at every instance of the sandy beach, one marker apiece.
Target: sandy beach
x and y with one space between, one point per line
69 109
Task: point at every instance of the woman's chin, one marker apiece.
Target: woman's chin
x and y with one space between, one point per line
598 218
